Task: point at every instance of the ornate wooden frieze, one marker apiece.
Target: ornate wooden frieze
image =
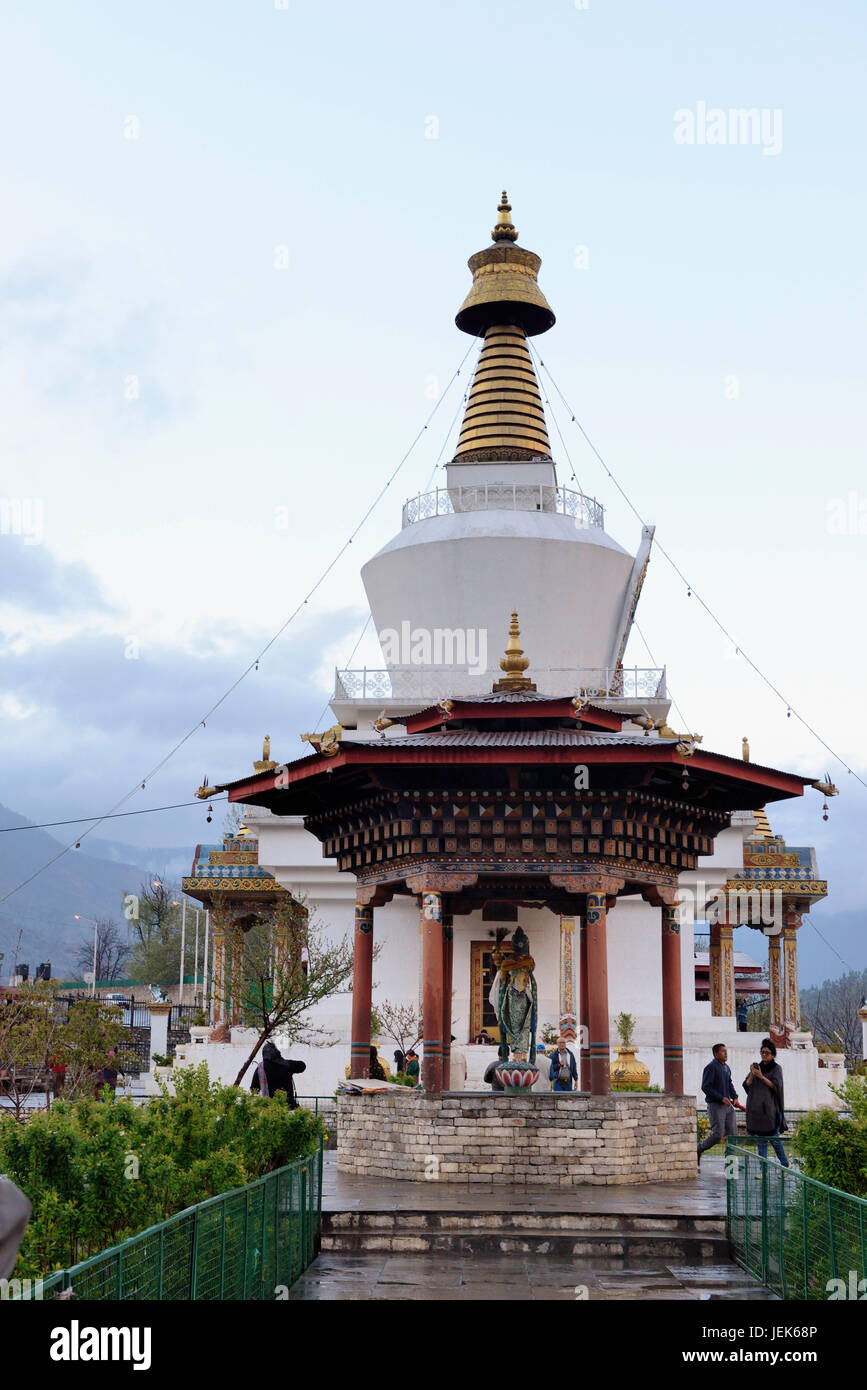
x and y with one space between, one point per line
632 827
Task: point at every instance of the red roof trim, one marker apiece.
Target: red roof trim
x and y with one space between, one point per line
360 755
591 716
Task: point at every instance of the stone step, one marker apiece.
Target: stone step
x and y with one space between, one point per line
336 1223
690 1238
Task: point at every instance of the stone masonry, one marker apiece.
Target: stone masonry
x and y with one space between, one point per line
552 1140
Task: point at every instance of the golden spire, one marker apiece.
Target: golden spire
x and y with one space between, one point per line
504 418
266 762
505 228
514 663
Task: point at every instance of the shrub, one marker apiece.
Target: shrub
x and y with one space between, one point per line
97 1172
833 1150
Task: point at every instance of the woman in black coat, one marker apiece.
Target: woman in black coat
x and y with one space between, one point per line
278 1074
765 1104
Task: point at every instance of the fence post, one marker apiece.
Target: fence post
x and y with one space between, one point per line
160 1277
806 1226
861 1229
304 1260
194 1272
831 1241
118 1275
246 1228
747 1175
319 1203
782 1218
764 1172
222 1249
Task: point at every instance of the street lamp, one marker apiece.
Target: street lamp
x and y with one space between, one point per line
95 929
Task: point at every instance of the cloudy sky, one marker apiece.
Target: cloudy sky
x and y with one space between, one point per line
233 245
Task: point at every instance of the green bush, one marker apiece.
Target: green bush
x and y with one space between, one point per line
97 1172
833 1150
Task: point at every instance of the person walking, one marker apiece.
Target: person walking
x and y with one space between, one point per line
766 1111
563 1071
721 1097
279 1072
412 1065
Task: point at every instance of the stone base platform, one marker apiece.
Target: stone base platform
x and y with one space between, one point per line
564 1140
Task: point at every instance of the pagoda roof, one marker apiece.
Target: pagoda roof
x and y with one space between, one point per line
526 705
357 767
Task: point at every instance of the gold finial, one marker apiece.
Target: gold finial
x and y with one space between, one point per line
505 228
514 663
265 763
327 743
745 749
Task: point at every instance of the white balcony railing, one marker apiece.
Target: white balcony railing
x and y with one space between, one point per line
440 682
511 497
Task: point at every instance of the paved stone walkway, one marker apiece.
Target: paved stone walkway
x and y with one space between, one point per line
516 1277
703 1198
449 1276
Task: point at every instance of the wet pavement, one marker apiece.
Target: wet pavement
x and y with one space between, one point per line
480 1273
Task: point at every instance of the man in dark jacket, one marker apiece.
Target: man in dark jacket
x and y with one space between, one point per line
721 1097
279 1071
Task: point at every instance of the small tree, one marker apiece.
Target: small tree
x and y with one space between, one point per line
112 951
400 1023
35 1037
155 934
282 968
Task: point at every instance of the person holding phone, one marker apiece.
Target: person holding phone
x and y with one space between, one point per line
766 1118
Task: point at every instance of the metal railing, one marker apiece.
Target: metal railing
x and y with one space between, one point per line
794 1234
439 682
511 497
250 1243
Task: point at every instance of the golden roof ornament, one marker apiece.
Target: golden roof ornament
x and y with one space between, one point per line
505 228
745 749
266 762
514 663
328 743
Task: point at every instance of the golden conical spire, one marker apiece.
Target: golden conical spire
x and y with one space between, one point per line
504 418
514 663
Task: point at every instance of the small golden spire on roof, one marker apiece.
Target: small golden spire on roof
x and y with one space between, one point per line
514 663
505 228
745 749
266 762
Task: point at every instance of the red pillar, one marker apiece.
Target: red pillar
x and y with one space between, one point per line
672 1006
432 990
362 985
597 992
448 949
584 1009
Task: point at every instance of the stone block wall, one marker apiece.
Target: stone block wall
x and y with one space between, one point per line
562 1140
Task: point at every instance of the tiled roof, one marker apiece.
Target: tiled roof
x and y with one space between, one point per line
511 738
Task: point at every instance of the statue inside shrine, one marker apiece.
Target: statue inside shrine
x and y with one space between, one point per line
517 1001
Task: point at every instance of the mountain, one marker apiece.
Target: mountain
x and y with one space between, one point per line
82 882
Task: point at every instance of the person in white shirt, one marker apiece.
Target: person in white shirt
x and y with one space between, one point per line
457 1067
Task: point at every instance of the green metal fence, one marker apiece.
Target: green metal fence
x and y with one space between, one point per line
250 1243
791 1232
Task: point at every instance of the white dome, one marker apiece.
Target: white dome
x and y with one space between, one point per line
470 569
